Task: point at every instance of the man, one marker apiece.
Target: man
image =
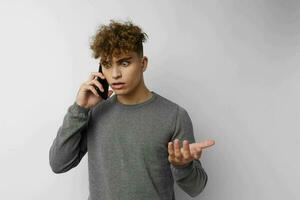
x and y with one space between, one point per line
133 137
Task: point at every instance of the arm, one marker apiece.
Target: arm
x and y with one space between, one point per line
191 178
70 144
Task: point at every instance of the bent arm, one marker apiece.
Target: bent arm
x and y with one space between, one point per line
191 178
70 143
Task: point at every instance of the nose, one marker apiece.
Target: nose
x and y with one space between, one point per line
116 72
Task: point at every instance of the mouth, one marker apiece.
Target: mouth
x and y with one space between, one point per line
117 86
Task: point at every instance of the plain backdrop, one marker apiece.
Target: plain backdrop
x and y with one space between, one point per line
233 65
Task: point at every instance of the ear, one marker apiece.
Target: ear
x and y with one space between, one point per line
144 63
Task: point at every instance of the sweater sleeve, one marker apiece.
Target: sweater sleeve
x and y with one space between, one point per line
70 143
191 178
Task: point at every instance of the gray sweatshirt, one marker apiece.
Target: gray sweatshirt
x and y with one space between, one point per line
127 149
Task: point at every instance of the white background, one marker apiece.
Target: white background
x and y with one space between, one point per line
234 66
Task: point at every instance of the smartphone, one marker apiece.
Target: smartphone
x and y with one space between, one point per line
104 84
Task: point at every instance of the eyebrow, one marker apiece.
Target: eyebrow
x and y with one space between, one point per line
118 61
126 58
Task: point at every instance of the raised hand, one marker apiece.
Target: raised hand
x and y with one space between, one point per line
87 95
183 156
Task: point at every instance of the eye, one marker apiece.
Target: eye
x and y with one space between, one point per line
105 66
125 63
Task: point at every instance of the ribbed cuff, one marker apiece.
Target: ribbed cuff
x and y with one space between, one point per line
182 171
78 110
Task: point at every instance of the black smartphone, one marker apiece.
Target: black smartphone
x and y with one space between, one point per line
104 84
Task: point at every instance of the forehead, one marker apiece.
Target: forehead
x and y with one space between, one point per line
122 56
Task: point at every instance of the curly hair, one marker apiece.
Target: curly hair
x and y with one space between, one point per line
117 38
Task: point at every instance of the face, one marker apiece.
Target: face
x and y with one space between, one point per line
128 69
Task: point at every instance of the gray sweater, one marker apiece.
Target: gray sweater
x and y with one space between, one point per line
127 149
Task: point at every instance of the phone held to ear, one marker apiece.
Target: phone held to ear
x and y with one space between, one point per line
104 84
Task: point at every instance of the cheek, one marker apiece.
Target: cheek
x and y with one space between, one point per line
133 76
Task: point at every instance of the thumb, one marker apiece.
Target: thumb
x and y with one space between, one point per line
110 92
206 143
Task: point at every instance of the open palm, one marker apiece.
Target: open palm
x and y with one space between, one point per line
184 155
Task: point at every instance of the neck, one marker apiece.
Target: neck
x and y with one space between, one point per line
140 94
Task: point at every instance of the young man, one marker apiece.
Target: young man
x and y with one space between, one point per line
133 137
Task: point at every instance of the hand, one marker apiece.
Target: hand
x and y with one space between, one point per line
183 156
87 95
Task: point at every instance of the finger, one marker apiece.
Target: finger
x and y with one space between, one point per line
93 75
99 74
193 152
186 150
97 83
178 155
206 144
91 88
171 150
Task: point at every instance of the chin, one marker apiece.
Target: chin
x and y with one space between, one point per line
123 92
120 92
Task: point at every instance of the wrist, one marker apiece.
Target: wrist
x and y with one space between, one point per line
80 105
182 166
80 108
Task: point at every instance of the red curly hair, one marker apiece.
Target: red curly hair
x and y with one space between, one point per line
117 38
